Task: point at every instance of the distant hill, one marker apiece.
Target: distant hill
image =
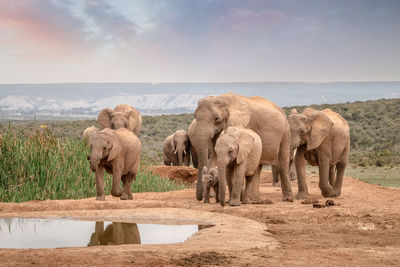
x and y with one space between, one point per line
85 100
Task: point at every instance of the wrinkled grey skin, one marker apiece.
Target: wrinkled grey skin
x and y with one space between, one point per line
210 180
117 152
122 116
176 149
323 139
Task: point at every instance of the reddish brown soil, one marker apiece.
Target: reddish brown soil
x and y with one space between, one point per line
184 174
362 230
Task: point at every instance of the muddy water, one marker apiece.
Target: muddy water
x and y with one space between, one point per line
45 233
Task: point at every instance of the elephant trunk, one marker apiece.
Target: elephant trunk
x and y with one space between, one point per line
222 182
179 151
201 143
94 161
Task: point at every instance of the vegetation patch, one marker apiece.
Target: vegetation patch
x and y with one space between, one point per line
35 164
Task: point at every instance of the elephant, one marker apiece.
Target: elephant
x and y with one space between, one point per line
323 139
292 172
176 149
215 113
210 180
118 152
123 116
89 132
238 152
117 233
292 167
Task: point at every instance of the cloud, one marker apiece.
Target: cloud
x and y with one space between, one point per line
111 25
30 26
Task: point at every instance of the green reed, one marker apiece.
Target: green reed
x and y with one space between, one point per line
36 165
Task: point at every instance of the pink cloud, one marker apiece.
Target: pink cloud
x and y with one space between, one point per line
37 28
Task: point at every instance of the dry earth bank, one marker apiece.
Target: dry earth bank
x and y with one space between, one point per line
364 229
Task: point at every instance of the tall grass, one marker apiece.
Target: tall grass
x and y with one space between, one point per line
36 165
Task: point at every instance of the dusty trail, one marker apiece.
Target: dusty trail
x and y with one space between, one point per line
363 230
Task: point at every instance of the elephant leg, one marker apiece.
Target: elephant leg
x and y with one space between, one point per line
99 176
300 163
116 183
283 168
237 184
292 170
127 181
254 193
340 167
194 157
332 175
216 193
326 188
229 179
275 177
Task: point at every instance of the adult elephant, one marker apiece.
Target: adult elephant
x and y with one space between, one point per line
323 139
216 113
122 116
176 149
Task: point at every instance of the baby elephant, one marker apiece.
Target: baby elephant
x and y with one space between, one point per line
117 152
210 180
238 153
176 149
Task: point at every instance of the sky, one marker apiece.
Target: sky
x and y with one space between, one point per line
56 41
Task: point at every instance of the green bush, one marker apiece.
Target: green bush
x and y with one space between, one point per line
35 164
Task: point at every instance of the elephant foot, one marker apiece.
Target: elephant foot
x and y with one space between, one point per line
126 196
302 195
276 184
292 177
288 198
234 202
246 200
101 198
336 193
116 193
206 200
327 192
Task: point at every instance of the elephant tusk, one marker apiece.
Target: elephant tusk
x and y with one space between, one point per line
176 151
184 152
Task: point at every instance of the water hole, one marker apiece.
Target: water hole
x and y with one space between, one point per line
26 233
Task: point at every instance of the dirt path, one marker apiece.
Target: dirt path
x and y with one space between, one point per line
363 230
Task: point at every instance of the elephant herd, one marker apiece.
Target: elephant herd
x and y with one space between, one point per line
229 141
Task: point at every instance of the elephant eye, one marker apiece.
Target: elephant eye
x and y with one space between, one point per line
104 147
302 131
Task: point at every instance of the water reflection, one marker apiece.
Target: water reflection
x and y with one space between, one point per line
56 233
116 233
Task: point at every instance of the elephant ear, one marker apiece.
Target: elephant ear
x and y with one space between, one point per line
321 125
172 144
104 118
134 120
245 144
238 109
115 149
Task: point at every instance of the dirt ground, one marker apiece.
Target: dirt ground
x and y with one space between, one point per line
362 230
